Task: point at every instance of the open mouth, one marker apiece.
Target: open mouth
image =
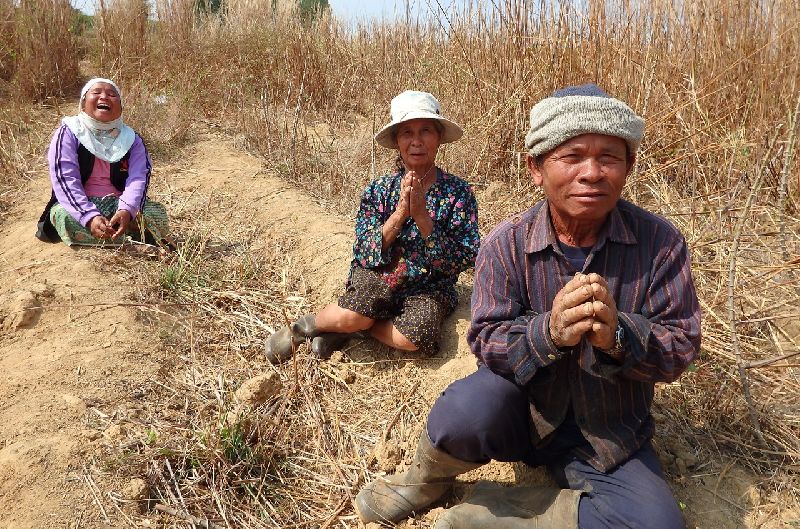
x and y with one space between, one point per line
103 106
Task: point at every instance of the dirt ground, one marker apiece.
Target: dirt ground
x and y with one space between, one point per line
74 352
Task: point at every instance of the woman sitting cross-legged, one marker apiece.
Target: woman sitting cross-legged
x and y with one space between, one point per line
100 172
416 231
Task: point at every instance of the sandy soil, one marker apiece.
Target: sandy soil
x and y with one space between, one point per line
71 352
68 367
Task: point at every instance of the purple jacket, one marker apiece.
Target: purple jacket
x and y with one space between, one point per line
65 177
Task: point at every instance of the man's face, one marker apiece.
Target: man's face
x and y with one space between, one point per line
583 177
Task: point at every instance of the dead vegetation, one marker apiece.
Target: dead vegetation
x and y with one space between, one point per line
717 81
295 454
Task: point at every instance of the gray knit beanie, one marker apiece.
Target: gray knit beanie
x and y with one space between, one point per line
577 110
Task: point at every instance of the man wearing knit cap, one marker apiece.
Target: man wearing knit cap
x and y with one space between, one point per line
580 305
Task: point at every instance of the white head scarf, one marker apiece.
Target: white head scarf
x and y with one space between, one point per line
108 141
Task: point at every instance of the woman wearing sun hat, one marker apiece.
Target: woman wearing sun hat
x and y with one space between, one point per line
100 172
416 231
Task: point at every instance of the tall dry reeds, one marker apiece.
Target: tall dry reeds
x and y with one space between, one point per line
177 29
44 48
39 55
121 35
7 43
706 71
23 134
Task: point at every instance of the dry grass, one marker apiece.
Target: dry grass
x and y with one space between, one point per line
719 85
24 133
39 48
6 39
39 55
121 35
299 458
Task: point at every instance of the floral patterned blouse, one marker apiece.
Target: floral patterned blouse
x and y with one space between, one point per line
412 264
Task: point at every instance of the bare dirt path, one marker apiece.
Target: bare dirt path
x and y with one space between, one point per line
64 370
69 368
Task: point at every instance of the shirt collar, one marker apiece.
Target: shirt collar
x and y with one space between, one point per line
542 234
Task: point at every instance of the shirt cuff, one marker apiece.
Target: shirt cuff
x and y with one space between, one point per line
89 215
606 366
536 351
130 209
637 334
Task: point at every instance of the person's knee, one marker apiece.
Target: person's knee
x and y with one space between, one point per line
404 344
355 321
482 416
385 332
337 319
630 506
484 400
658 513
418 325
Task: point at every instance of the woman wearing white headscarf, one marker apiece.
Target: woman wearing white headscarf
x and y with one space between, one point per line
100 172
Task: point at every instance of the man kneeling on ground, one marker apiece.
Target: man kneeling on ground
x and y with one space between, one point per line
581 304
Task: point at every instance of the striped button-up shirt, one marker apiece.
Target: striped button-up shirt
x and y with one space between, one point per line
519 270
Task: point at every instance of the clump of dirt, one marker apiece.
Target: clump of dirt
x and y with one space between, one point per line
21 309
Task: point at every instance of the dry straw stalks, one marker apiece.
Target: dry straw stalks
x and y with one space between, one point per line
297 459
38 50
718 83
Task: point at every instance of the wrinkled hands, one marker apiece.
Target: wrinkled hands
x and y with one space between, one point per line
412 197
412 204
103 228
418 208
584 306
403 209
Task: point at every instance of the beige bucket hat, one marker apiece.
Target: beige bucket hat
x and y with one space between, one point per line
412 104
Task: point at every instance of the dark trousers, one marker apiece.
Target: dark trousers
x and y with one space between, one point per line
484 416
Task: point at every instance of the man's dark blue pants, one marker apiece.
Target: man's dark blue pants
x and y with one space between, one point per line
484 416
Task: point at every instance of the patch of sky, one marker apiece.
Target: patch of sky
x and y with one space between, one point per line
353 12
